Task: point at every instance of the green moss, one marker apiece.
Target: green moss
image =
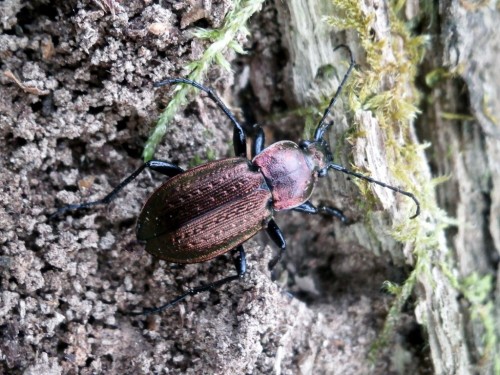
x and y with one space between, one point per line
222 39
197 160
487 111
211 155
456 116
436 76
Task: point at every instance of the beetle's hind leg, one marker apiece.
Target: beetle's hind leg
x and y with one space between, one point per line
162 167
240 263
239 136
308 208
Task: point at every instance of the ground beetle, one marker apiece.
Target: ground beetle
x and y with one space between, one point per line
209 210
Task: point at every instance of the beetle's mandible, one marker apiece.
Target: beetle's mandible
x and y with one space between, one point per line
214 208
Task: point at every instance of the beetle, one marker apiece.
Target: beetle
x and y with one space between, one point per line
214 208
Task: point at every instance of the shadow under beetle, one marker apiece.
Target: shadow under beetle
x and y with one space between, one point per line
209 210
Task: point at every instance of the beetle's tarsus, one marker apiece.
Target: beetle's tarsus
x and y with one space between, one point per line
163 167
335 212
239 136
78 206
308 208
240 263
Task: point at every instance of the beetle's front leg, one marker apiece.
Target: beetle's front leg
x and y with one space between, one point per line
277 236
162 167
239 136
259 141
308 208
240 263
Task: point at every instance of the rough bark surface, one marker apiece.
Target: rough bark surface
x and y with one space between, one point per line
468 150
76 105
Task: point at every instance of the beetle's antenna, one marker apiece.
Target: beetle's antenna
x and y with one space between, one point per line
369 179
323 126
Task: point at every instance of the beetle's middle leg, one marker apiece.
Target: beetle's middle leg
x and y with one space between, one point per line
239 136
277 236
162 167
240 263
308 208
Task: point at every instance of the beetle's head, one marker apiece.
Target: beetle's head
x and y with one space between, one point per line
319 153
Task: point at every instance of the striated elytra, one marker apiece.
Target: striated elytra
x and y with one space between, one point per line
214 208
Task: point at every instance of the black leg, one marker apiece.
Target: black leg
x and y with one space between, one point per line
162 167
332 211
241 268
306 207
258 142
309 208
239 137
275 233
